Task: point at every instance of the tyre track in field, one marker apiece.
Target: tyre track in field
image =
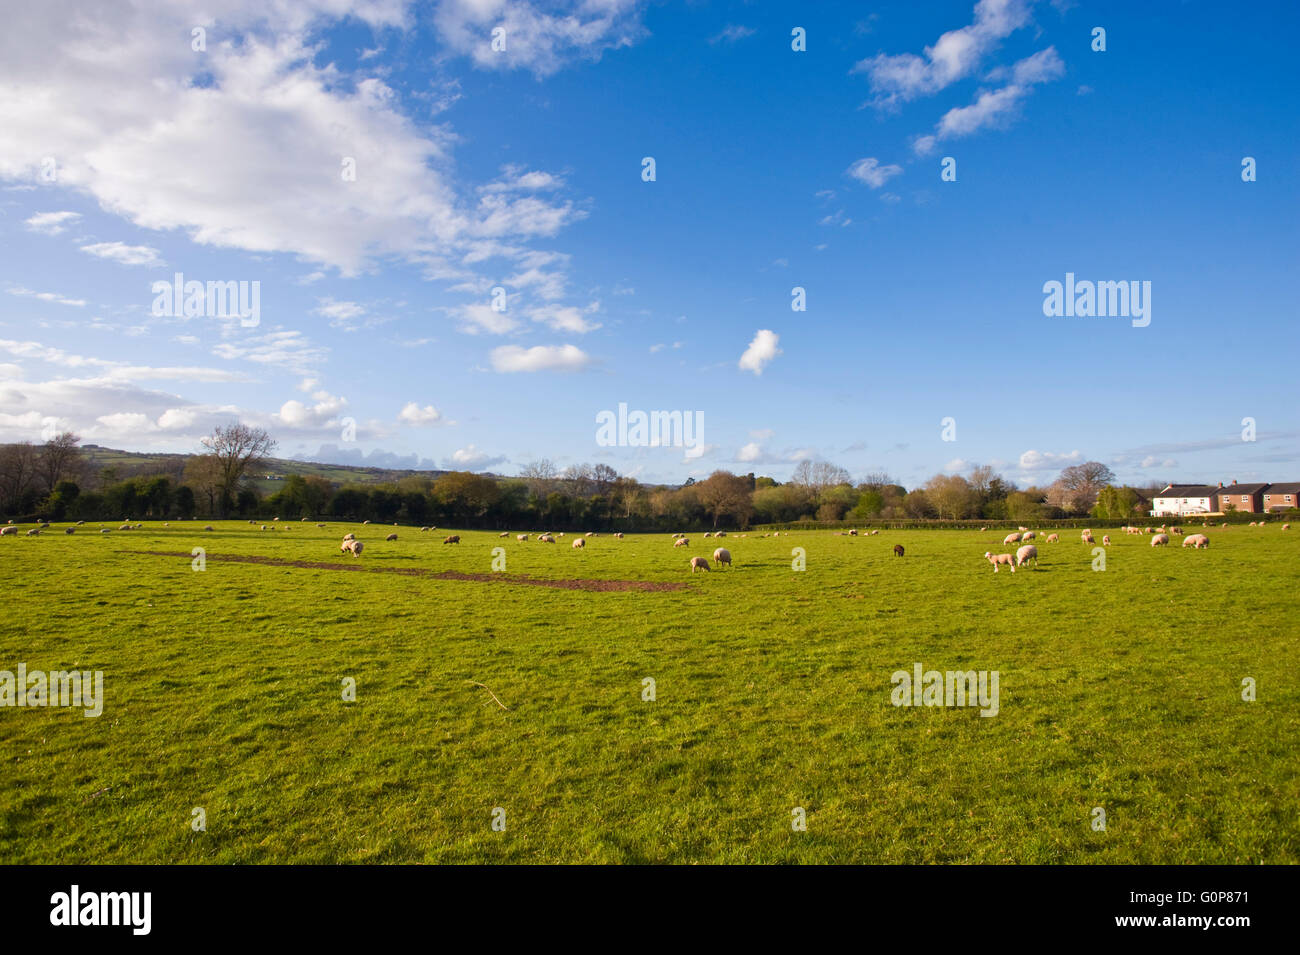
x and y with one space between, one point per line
645 586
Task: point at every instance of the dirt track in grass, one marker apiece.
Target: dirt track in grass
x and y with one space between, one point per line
597 585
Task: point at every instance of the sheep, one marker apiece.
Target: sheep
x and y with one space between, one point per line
999 559
875 533
425 529
109 530
79 523
263 527
453 539
1053 538
391 537
125 527
1028 535
983 529
1286 527
1105 540
304 520
852 533
1161 539
523 537
321 526
591 533
5 531
619 535
898 550
699 563
1087 537
1176 530
1196 540
1011 539
708 534
1028 552
1148 531
722 556
561 534
682 542
208 527
69 530
352 547
579 543
275 519
35 531
720 534
546 539
365 522
349 536
1022 529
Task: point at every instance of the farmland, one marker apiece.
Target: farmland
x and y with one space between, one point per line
1121 689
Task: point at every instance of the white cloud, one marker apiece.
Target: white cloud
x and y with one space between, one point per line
472 459
48 297
174 419
954 55
761 351
289 349
51 223
483 318
870 171
566 318
413 414
513 358
995 107
1045 460
324 413
733 33
124 254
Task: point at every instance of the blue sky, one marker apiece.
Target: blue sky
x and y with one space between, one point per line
522 169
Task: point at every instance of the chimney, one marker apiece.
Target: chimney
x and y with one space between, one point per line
1234 480
1220 484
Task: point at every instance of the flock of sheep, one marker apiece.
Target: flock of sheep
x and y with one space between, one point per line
1159 538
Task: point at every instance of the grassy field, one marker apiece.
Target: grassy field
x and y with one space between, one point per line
1119 689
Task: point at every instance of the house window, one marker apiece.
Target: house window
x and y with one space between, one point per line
1288 498
1244 499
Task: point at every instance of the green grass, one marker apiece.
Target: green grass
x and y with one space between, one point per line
1119 689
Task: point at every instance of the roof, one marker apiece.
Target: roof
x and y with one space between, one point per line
1292 487
1187 490
1242 488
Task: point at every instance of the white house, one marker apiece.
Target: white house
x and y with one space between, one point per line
1182 499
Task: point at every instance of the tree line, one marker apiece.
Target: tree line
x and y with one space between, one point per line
53 481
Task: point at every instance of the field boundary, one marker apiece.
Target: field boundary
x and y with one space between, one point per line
648 586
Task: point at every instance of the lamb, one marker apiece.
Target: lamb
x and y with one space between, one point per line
1161 539
1105 540
682 542
1028 535
391 537
579 543
699 563
1028 552
722 556
898 550
1011 539
1053 538
1196 540
453 539
998 559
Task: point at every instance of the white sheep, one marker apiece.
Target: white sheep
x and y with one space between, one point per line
523 537
999 559
619 535
720 534
1196 540
349 536
1028 552
1105 540
1011 539
699 563
391 537
1086 536
579 543
1286 527
353 547
504 534
1028 535
682 542
722 556
109 530
1053 538
35 531
4 531
1161 539
708 534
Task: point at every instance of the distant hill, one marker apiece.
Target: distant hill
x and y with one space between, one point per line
266 477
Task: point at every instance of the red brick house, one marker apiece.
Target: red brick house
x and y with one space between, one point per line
1282 497
1242 498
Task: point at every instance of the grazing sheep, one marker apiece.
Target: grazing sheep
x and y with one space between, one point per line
69 530
619 535
1105 540
682 542
1196 540
1011 539
708 534
125 527
579 543
591 533
1022 529
1053 538
453 539
561 534
1252 523
391 537
898 550
304 520
355 547
853 533
874 533
720 534
4 531
365 522
1148 531
1028 552
208 527
423 529
349 536
109 530
1087 537
263 527
722 556
34 532
504 534
523 537
1160 540
983 529
699 563
1286 527
1176 530
1028 535
1000 559
546 539
79 523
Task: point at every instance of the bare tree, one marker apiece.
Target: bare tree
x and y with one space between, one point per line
951 495
1081 483
235 447
57 460
817 476
538 475
981 479
726 493
17 471
579 479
